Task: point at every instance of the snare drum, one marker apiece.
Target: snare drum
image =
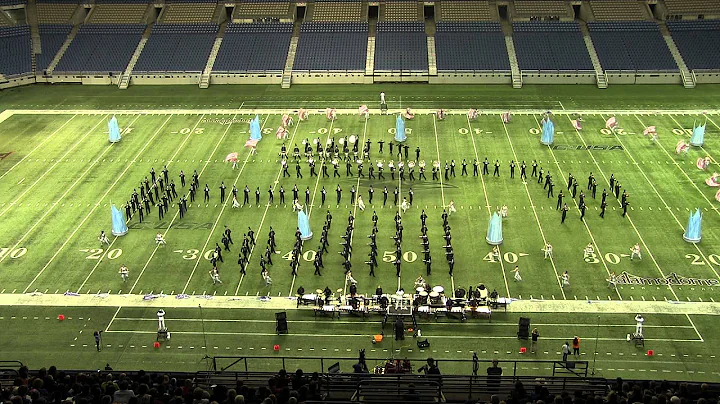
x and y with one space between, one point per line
438 289
434 297
423 297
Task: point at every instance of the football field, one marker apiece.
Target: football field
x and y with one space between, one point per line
60 176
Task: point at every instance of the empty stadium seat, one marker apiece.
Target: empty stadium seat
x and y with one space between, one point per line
180 12
611 10
470 46
257 9
254 47
692 7
631 45
177 48
401 46
52 38
337 11
550 46
101 48
401 11
698 42
15 48
55 13
542 9
332 46
464 11
112 13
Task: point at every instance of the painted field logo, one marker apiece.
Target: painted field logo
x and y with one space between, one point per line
672 279
3 155
593 147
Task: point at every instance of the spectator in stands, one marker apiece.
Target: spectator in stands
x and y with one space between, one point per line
123 395
494 373
411 395
298 380
576 345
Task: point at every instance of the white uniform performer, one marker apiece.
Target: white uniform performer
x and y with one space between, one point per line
405 205
266 277
518 278
382 98
639 319
589 251
349 278
124 272
496 253
161 320
297 206
635 252
504 211
215 276
159 239
235 204
360 203
565 279
103 238
548 250
451 208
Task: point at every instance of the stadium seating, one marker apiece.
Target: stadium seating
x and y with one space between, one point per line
470 46
12 2
464 11
101 48
177 48
5 23
550 46
604 10
52 38
256 9
109 13
401 46
692 7
631 45
332 46
698 42
254 47
55 13
15 48
531 9
188 13
400 11
337 11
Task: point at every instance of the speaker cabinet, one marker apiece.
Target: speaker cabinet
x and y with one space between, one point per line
523 328
281 326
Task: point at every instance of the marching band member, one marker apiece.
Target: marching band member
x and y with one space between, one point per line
405 205
440 114
635 252
451 208
589 251
360 203
504 211
472 114
302 114
159 239
548 250
409 114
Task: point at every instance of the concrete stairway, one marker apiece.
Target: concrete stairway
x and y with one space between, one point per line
600 76
125 78
370 59
432 57
63 49
514 68
688 77
31 16
289 62
205 78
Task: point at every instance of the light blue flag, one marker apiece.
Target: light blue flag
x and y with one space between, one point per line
494 233
255 133
113 130
694 227
119 227
400 129
304 226
548 132
698 135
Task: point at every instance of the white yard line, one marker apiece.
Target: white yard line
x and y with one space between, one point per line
67 191
532 205
222 209
663 199
95 207
487 205
114 317
592 238
312 202
267 207
437 148
38 146
51 168
175 216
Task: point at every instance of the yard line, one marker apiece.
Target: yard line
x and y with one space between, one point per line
647 249
592 238
437 147
532 205
207 162
695 328
49 170
487 204
312 202
109 247
267 207
67 191
114 317
222 209
96 206
663 199
38 146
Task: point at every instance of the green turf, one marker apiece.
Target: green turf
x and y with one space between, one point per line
58 199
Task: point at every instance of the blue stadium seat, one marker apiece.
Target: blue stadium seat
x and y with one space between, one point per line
470 46
631 45
15 51
177 48
698 42
52 37
401 46
550 46
101 48
254 47
332 46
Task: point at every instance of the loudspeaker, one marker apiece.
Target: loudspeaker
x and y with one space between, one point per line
423 344
569 365
523 328
281 323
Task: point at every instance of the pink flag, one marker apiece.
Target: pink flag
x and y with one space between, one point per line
703 163
611 123
681 147
576 124
713 181
649 130
717 196
303 114
232 157
363 109
251 143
